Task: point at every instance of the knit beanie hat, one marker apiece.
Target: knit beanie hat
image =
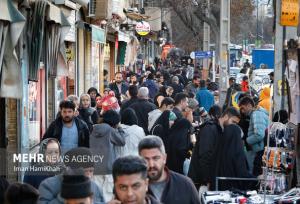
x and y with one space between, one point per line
111 117
76 185
80 157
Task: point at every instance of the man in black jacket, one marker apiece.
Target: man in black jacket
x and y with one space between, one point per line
119 86
202 166
142 107
70 131
165 185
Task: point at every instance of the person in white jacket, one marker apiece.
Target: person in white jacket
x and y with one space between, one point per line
166 104
134 134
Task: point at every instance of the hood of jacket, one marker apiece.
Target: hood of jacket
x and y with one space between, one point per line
101 130
265 93
155 112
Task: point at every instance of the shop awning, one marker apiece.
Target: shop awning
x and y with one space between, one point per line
137 16
54 30
12 23
35 37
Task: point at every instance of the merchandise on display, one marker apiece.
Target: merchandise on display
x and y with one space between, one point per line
220 197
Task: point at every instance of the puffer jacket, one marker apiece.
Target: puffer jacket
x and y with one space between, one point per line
259 122
265 99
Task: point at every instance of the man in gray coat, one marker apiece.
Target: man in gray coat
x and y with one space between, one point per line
103 139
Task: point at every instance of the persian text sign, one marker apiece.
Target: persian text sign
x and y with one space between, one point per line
289 13
143 28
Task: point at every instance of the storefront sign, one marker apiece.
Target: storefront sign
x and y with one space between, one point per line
98 34
289 13
203 54
143 28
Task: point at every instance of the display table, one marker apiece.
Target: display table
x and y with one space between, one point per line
219 197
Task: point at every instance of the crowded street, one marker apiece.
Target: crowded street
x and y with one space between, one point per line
149 101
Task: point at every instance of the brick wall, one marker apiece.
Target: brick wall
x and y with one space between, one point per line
12 134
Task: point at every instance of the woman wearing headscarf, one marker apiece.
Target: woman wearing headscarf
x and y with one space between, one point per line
231 159
93 92
163 125
164 91
134 133
86 113
51 165
179 144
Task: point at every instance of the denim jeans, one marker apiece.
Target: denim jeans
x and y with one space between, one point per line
250 159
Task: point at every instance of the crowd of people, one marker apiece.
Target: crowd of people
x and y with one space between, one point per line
159 138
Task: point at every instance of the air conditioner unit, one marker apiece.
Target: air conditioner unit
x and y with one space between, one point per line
92 8
101 9
71 3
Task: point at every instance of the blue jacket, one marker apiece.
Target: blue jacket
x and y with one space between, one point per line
259 122
51 187
205 98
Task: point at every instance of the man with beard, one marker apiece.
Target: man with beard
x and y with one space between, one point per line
193 87
119 86
202 166
165 185
131 182
70 131
259 122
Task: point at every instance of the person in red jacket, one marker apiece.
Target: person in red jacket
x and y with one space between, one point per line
245 84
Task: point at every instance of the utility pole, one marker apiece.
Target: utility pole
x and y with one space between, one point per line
257 44
224 48
206 38
282 33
